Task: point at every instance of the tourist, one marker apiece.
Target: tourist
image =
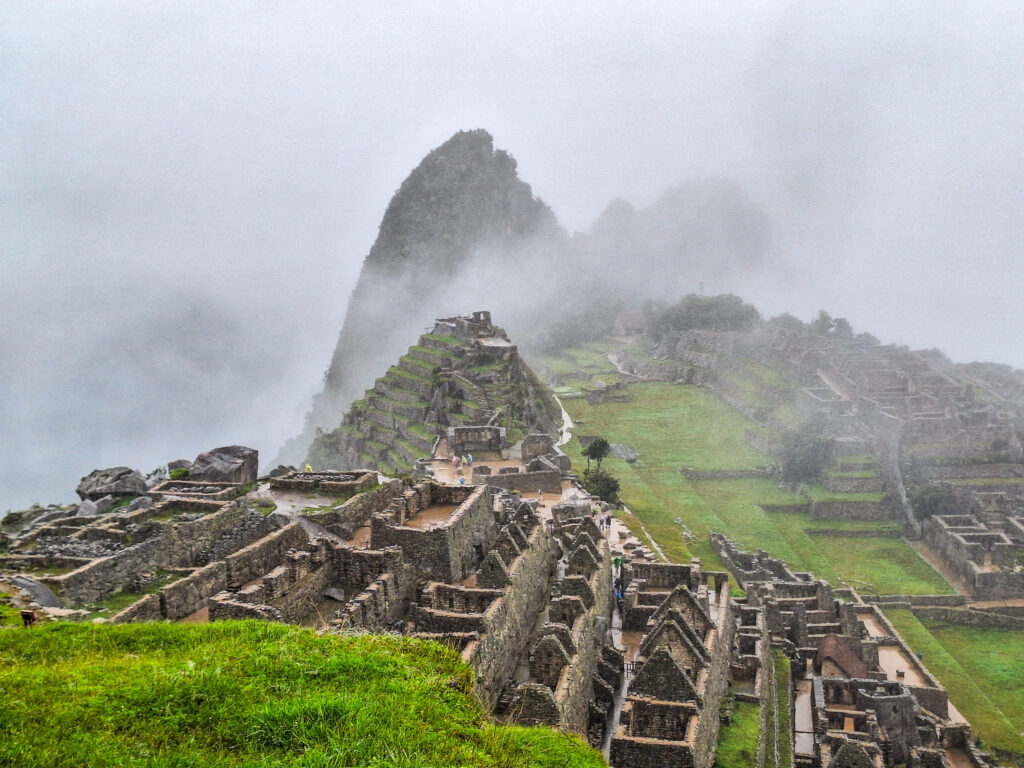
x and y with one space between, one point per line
469 457
455 461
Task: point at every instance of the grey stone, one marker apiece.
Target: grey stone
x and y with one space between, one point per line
280 471
87 509
229 464
335 593
143 502
179 464
624 452
103 505
118 481
40 593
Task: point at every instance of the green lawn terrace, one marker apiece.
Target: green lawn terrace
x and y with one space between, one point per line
464 373
683 427
983 671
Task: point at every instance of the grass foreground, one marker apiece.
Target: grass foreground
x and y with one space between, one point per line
252 694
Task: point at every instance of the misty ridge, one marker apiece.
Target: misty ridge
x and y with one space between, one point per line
464 232
190 193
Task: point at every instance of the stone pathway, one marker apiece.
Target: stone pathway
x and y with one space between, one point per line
565 433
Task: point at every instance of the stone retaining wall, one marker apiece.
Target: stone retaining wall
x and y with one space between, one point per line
527 482
850 510
510 619
258 558
969 617
357 511
186 596
146 609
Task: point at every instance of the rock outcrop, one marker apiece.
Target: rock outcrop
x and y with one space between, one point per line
464 203
230 464
116 481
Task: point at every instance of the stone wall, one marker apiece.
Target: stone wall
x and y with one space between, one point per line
968 617
527 482
146 609
385 600
510 619
357 511
576 687
107 575
186 596
448 551
720 646
850 510
258 558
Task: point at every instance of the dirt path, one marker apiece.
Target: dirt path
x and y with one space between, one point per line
565 433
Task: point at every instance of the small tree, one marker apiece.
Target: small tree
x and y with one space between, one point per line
602 484
597 451
938 499
806 452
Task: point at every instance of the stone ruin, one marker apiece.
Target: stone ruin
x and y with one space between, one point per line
986 551
464 381
678 627
859 691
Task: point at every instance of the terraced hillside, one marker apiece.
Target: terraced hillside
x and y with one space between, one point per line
465 372
699 470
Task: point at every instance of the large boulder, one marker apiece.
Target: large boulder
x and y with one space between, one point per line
116 481
230 464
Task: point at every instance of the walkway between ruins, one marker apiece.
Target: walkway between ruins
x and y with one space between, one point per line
803 720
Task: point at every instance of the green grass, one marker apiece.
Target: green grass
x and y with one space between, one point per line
853 474
451 341
250 694
673 426
983 670
108 606
9 615
737 741
783 675
817 493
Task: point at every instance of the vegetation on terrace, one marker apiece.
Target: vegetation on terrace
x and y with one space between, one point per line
252 694
737 741
983 670
674 426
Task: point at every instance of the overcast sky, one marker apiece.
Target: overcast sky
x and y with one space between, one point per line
187 190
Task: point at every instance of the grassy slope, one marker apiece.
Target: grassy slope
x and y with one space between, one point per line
983 670
676 426
737 741
249 693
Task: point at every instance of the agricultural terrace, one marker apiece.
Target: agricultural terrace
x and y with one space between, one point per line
983 670
674 426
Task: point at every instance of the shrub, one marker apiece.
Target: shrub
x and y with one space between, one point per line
806 452
602 484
